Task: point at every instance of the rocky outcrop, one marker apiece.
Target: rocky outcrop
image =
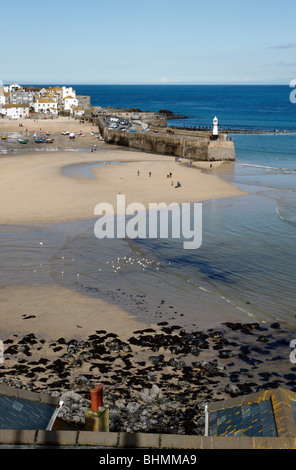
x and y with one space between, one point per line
171 114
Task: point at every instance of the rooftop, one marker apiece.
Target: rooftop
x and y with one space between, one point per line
21 409
45 100
15 106
267 414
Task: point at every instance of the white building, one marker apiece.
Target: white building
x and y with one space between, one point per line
2 95
15 111
69 102
45 105
77 111
13 87
68 91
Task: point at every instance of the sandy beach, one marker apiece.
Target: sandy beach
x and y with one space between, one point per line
36 190
59 124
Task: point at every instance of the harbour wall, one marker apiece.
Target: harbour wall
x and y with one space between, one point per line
177 145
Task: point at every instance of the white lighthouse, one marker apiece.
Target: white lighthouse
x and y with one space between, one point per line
215 128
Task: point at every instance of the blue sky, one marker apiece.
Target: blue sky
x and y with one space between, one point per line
148 42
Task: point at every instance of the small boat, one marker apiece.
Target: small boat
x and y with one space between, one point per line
38 140
23 141
49 141
72 135
4 137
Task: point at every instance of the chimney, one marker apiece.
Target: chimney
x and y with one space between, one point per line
96 397
97 417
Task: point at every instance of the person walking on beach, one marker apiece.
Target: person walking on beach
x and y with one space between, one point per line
138 173
149 174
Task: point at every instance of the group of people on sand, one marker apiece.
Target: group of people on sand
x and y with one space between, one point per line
169 175
149 174
178 185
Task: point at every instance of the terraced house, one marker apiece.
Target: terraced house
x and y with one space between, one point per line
15 111
45 105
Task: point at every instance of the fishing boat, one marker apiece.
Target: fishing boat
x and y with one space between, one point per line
23 141
38 140
49 141
3 137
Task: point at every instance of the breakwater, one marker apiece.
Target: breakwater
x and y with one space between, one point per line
164 141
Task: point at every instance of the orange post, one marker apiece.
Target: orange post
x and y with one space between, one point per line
94 399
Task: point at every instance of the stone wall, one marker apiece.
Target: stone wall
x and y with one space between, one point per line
84 102
194 148
221 150
147 442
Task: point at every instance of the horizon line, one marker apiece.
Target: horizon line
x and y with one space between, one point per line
6 83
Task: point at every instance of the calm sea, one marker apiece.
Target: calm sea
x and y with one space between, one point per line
237 107
245 268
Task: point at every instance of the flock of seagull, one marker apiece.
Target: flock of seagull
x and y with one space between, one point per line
122 262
